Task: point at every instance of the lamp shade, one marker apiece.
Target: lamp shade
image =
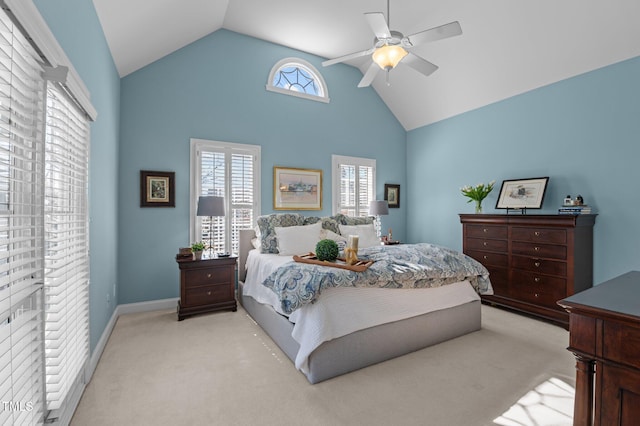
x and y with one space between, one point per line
388 56
378 208
210 206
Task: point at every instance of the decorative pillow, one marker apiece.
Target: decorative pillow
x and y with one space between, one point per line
330 235
266 225
328 222
366 234
297 239
355 220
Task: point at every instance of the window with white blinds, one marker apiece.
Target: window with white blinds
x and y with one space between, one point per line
354 185
231 171
21 230
66 245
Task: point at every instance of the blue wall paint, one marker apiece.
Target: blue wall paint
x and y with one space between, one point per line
195 93
77 29
581 132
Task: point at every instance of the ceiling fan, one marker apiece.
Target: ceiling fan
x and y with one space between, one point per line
392 47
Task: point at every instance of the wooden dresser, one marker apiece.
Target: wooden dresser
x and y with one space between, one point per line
207 285
604 335
533 260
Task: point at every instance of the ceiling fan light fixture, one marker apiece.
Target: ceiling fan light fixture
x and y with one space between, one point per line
388 56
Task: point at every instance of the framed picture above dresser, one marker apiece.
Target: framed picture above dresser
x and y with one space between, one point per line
533 260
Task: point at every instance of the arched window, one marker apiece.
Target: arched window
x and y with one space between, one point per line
297 77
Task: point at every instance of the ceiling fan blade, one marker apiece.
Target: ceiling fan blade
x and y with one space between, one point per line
438 33
369 75
419 64
347 57
378 24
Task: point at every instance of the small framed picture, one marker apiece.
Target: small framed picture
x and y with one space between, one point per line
522 193
392 195
157 189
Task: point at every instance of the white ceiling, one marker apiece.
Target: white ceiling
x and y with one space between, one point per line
507 46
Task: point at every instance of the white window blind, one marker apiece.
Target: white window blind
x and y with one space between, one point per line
231 171
353 184
21 230
66 246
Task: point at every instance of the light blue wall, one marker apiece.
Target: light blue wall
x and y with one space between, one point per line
582 132
215 89
77 29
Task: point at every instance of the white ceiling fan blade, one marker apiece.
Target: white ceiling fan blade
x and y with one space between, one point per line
347 57
378 24
438 33
419 64
369 75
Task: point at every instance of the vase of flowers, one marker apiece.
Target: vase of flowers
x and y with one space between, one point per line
477 193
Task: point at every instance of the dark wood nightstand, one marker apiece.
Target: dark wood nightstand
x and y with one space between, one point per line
207 285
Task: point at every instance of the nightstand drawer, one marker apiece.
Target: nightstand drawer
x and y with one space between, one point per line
208 295
486 244
543 235
197 278
539 250
543 266
487 231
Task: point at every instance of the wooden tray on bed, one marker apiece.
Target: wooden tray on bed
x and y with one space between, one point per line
359 266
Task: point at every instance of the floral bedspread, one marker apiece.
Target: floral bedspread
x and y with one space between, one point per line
398 266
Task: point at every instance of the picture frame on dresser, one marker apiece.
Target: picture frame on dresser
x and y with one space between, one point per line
522 193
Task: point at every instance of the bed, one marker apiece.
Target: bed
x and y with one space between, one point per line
347 328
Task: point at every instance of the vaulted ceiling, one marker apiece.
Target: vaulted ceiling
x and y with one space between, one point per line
507 47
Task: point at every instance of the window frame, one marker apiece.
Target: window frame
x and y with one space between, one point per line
198 145
300 63
336 161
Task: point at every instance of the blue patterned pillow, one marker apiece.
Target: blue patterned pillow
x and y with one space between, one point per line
266 228
353 220
328 222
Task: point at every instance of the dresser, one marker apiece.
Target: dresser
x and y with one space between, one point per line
206 285
604 335
533 260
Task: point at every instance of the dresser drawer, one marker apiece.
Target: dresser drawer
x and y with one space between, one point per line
209 294
543 266
488 258
487 231
539 250
486 244
542 235
499 278
197 278
538 289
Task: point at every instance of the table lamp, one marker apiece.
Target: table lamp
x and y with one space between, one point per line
210 206
378 208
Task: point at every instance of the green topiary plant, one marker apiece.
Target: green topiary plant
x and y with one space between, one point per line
327 250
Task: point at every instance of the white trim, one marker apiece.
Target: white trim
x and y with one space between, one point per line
36 29
301 63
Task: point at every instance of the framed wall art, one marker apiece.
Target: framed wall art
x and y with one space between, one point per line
392 195
157 189
297 189
522 193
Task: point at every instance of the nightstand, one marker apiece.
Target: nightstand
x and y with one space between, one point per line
207 285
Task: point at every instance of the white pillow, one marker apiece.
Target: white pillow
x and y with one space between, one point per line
326 234
297 239
366 234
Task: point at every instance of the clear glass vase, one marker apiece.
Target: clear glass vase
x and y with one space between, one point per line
478 206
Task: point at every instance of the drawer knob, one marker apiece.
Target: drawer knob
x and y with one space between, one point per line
537 295
208 275
536 248
485 257
485 230
209 293
537 264
537 279
485 243
536 233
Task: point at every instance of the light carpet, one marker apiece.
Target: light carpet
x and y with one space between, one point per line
222 369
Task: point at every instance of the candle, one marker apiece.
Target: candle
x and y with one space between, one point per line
353 242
